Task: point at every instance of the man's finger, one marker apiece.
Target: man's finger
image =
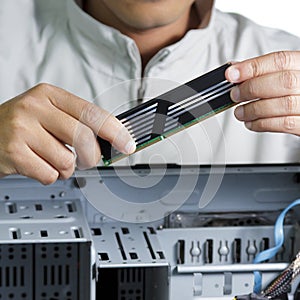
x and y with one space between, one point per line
280 84
48 148
100 121
289 124
33 166
74 133
268 108
258 66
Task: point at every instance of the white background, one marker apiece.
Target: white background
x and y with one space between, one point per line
283 14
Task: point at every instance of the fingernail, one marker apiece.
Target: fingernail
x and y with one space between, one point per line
239 112
233 74
235 94
130 147
248 125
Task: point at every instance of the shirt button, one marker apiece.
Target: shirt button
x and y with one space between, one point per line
164 54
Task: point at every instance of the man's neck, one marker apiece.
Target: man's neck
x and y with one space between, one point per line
148 41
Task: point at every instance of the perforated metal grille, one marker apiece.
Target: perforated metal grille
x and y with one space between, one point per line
57 266
45 271
228 246
131 283
14 269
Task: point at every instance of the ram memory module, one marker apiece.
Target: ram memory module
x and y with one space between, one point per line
173 111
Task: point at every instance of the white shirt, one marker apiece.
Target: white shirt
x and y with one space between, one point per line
56 42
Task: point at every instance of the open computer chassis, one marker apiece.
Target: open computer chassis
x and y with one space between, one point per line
55 245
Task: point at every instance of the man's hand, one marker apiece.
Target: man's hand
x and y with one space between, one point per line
35 128
272 81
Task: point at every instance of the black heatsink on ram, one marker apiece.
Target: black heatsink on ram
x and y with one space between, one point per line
173 111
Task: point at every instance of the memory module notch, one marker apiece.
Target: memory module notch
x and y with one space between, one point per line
173 111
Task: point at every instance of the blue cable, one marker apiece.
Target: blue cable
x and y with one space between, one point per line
269 253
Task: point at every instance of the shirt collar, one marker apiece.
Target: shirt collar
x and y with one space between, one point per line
92 29
91 33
